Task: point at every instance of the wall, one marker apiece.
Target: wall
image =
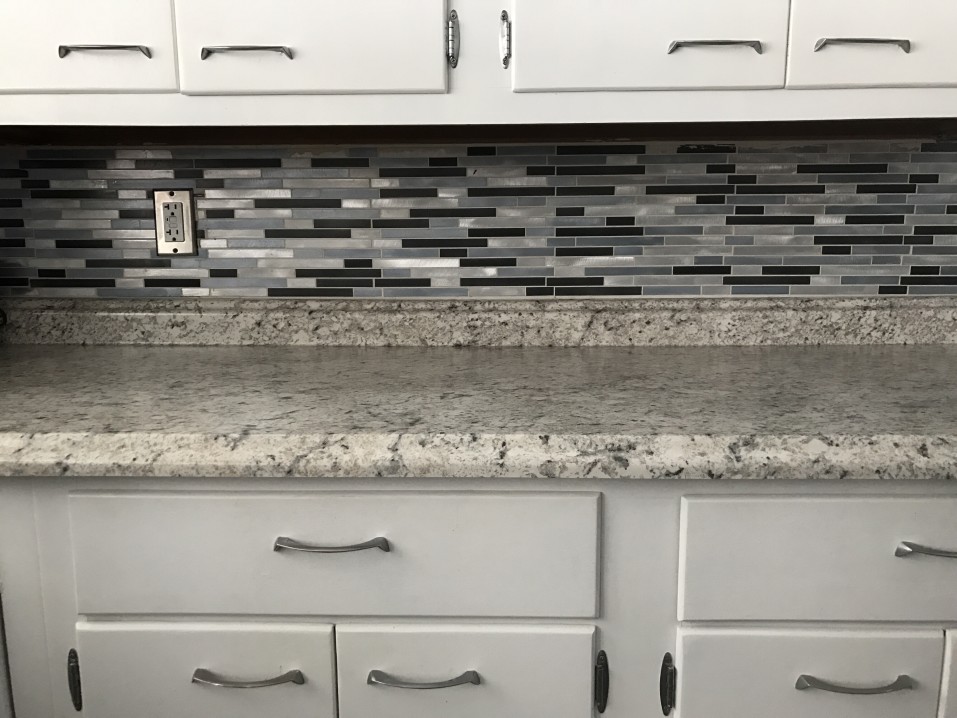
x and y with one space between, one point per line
816 218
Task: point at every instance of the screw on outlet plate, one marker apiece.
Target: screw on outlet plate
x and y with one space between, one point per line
175 226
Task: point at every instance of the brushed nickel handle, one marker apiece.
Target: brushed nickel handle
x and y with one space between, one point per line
284 543
453 39
380 678
825 41
208 678
903 683
907 548
755 45
65 50
506 41
212 50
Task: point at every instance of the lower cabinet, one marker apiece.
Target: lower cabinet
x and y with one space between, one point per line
756 672
196 670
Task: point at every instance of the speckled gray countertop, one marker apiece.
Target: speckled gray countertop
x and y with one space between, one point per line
623 413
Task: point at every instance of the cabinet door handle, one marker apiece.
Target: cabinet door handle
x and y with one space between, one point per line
208 678
380 678
281 49
907 548
755 45
506 41
452 37
284 543
825 41
903 683
65 50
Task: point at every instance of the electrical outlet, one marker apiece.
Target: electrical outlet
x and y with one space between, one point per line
175 228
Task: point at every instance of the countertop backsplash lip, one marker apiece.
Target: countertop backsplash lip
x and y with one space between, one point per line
765 321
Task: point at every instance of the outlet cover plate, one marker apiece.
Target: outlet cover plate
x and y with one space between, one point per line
175 223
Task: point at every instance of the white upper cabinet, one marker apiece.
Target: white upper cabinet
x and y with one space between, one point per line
875 43
640 44
322 46
88 46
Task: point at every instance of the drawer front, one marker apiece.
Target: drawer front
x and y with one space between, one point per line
357 46
754 673
627 45
450 554
32 33
830 559
147 670
520 672
924 30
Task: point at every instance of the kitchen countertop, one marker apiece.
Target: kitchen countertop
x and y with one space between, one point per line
619 413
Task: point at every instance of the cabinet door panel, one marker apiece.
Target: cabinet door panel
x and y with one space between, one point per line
359 46
924 29
146 670
32 33
522 671
624 44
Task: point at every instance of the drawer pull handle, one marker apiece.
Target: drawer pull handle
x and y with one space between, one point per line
65 50
208 678
284 543
281 49
755 45
380 678
903 683
908 548
825 41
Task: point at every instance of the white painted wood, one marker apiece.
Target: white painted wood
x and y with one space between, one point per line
525 671
623 44
751 672
948 692
927 25
145 669
453 554
377 46
31 33
816 559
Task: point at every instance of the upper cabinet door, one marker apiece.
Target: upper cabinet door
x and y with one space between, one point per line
88 46
641 44
872 43
312 46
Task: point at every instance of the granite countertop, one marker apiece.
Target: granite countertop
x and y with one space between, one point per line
860 412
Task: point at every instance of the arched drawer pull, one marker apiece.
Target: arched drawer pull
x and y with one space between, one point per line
208 678
825 41
380 678
281 49
903 683
65 50
755 45
284 543
908 548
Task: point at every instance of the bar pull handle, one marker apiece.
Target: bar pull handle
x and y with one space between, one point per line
903 683
208 678
381 678
284 543
755 45
452 36
215 49
908 548
506 40
65 50
825 41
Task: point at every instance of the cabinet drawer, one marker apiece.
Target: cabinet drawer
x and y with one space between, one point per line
754 673
32 33
147 670
450 554
520 672
627 44
332 47
831 559
925 31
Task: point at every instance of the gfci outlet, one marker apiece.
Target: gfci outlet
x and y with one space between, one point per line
175 227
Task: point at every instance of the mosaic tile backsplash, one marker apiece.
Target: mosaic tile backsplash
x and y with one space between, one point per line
859 218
